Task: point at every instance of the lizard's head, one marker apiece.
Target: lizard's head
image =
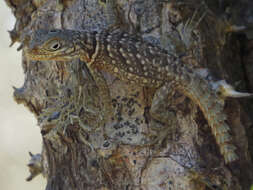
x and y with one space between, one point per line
52 45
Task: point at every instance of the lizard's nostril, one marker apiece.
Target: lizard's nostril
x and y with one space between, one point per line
53 31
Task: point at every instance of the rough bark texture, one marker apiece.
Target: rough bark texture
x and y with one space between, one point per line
65 99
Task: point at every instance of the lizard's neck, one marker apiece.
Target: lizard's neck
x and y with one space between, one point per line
86 43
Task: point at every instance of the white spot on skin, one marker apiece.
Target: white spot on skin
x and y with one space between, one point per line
129 76
144 68
115 70
138 55
146 73
131 69
121 50
145 80
113 61
109 47
143 62
128 62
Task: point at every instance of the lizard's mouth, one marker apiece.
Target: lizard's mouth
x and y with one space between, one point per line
39 56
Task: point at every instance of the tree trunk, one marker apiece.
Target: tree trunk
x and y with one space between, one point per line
80 153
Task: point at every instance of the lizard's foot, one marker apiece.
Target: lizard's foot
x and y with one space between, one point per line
61 120
166 132
200 181
60 116
185 29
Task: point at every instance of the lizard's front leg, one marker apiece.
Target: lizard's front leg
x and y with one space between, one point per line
159 111
104 93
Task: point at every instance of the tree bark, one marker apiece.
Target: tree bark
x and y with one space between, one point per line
79 153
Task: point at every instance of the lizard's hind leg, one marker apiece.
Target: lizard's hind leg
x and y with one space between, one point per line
159 111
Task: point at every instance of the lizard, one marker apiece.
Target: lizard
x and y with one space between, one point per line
131 59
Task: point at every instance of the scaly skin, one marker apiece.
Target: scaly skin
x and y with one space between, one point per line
131 59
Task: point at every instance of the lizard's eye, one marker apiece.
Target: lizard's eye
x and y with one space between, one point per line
55 46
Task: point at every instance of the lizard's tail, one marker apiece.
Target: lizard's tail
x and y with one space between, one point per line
212 107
